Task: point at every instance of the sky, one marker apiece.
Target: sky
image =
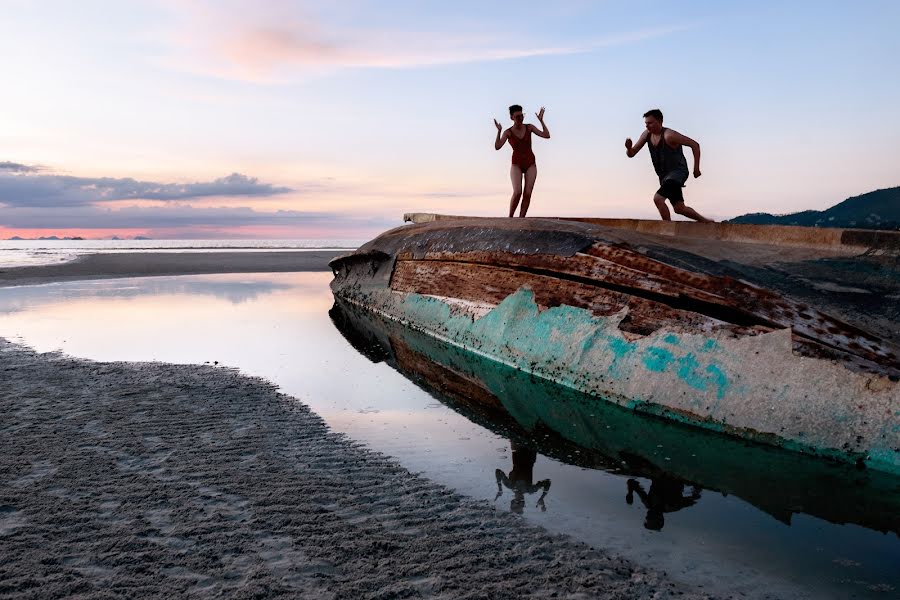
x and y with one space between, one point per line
329 120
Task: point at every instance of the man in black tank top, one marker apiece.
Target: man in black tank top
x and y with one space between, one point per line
669 163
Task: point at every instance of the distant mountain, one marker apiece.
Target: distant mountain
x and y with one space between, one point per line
44 239
876 210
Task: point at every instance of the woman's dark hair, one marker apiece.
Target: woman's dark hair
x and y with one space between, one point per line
655 113
514 108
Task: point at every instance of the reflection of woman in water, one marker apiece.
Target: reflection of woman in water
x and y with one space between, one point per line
520 479
666 495
523 162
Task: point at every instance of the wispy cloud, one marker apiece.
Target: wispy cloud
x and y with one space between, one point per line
451 194
31 199
12 167
92 217
25 185
278 40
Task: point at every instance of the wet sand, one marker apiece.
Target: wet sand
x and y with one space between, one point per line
143 479
146 479
145 264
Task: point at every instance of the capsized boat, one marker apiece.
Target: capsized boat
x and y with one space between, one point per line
583 430
779 335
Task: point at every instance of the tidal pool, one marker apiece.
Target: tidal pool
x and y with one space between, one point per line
729 516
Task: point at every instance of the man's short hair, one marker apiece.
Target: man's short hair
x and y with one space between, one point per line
655 113
514 108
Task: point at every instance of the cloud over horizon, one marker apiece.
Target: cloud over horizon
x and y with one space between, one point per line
33 198
13 167
136 217
28 185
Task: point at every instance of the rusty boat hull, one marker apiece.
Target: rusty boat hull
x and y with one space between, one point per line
762 334
573 428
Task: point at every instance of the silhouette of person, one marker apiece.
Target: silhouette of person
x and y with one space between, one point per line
523 161
669 162
520 479
666 495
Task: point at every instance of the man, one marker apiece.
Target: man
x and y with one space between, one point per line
670 164
666 495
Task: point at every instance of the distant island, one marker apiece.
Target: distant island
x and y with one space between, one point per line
51 238
875 210
47 238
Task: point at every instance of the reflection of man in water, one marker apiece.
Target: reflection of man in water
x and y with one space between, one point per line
666 495
520 479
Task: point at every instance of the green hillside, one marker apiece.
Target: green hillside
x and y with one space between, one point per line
875 210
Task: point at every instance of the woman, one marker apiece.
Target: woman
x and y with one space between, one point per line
523 165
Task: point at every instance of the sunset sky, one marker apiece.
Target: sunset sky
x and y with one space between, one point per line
295 119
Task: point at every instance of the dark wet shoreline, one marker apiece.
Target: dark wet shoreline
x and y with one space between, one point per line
144 479
152 264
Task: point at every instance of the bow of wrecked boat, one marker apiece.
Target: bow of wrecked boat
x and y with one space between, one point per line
779 337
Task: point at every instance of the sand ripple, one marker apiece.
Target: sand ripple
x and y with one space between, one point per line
143 480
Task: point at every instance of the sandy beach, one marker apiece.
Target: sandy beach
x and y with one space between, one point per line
147 479
138 480
146 264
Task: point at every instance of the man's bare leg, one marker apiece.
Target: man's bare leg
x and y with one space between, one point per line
515 176
683 209
660 203
530 178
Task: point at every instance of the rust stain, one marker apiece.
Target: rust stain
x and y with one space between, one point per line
487 283
657 295
485 260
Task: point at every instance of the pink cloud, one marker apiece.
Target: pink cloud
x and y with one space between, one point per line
271 41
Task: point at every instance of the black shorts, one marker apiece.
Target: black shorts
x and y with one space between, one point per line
671 189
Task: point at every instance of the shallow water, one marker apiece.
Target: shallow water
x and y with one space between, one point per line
709 511
29 253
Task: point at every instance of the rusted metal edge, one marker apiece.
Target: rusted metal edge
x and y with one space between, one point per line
649 310
851 240
760 384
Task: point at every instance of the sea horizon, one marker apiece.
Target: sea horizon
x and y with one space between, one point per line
24 253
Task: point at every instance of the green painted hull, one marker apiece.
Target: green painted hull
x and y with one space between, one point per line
753 387
588 431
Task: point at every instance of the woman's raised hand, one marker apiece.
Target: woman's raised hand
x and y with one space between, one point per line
540 115
498 126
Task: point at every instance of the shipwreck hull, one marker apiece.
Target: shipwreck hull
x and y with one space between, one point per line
642 323
586 431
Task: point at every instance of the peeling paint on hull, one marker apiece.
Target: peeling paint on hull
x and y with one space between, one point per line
589 432
686 366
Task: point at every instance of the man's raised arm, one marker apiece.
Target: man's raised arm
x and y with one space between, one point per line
632 149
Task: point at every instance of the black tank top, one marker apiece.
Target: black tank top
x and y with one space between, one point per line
668 162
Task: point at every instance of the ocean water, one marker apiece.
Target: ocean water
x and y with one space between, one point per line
20 253
727 516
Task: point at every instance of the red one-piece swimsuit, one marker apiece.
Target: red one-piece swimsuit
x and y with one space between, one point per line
522 154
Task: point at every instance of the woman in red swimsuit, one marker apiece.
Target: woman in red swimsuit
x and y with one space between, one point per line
523 165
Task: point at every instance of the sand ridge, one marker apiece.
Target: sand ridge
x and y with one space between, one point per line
146 264
139 480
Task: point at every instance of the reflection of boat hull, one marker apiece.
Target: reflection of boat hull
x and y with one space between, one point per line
575 304
580 429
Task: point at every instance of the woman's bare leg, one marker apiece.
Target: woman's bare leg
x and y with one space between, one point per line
515 175
530 178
